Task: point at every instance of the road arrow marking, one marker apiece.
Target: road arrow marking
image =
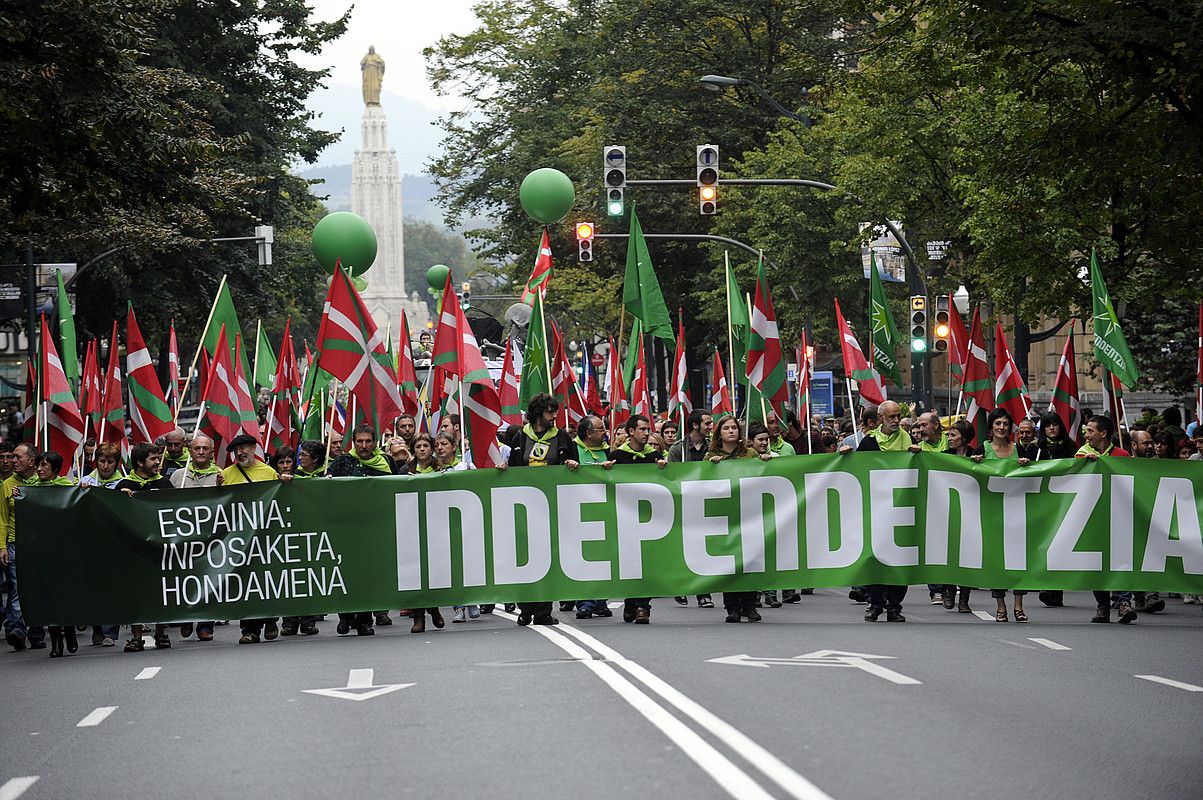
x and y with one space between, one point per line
359 687
824 658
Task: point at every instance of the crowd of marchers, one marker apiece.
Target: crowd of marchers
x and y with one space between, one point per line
177 462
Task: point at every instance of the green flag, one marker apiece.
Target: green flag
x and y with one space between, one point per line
223 314
737 311
535 379
1110 347
313 395
641 291
265 360
885 333
66 334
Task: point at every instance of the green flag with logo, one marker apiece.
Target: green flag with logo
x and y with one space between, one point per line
1110 347
535 379
737 312
265 360
66 333
885 332
641 290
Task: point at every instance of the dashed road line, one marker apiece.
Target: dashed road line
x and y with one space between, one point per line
15 787
147 673
1049 643
96 717
984 615
1190 687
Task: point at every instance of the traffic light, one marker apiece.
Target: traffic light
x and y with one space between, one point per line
942 332
465 298
614 158
584 241
707 179
918 324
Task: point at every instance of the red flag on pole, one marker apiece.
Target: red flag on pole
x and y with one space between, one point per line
766 359
112 405
679 401
593 401
959 343
641 398
173 368
150 415
89 388
1065 403
720 396
616 394
407 376
1009 391
541 275
61 420
285 397
804 376
564 386
856 366
977 383
354 351
511 411
226 409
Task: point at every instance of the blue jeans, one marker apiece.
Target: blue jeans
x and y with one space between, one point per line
14 623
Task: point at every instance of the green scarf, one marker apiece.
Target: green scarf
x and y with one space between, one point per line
318 473
200 473
117 475
1087 450
422 470
941 446
452 465
57 481
138 479
375 462
640 454
898 441
543 438
591 455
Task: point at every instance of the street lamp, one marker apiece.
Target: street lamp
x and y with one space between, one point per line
961 299
718 83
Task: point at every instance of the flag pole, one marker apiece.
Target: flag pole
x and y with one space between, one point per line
199 346
333 411
463 420
255 362
730 332
748 406
810 444
851 410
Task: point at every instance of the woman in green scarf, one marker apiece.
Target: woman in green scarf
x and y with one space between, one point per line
49 466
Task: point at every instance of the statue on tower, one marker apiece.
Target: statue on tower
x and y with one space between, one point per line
372 68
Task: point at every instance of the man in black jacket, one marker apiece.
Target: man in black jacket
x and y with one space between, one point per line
637 450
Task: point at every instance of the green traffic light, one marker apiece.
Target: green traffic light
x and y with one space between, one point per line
615 208
919 345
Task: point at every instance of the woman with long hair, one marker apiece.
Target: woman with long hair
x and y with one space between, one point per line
960 443
423 460
727 444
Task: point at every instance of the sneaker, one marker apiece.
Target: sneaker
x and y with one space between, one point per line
458 616
935 599
895 616
163 642
288 629
857 595
872 613
365 630
584 615
948 600
383 619
732 618
567 605
271 630
704 601
309 629
770 600
186 630
791 596
643 616
97 637
343 627
1102 614
107 642
546 619
754 617
1187 600
510 607
248 638
473 612
628 614
604 611
1126 613
681 600
135 645
204 636
1154 604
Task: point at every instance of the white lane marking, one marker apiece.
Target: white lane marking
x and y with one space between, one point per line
778 771
1049 643
96 717
731 778
147 673
359 687
360 678
1190 687
822 658
15 787
984 615
615 604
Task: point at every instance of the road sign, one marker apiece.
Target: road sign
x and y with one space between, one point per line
359 687
823 658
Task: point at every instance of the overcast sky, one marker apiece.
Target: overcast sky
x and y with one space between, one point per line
399 29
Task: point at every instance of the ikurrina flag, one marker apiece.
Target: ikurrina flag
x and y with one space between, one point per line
458 356
589 381
511 411
89 389
856 366
112 405
885 335
720 396
150 416
766 360
620 406
61 419
1065 403
564 387
536 284
283 417
641 398
959 344
226 410
1009 391
173 368
1110 347
679 401
353 350
407 375
977 383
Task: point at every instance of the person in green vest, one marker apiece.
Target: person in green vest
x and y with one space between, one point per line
932 438
145 461
423 461
591 451
49 467
173 451
311 460
777 442
25 473
1098 433
637 450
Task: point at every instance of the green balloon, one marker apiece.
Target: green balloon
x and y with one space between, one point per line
546 195
358 281
436 276
347 238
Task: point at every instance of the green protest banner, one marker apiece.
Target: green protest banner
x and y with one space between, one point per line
347 544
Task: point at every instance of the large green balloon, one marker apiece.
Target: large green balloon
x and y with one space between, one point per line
546 195
436 276
347 238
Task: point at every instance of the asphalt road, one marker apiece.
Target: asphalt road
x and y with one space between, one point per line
956 706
